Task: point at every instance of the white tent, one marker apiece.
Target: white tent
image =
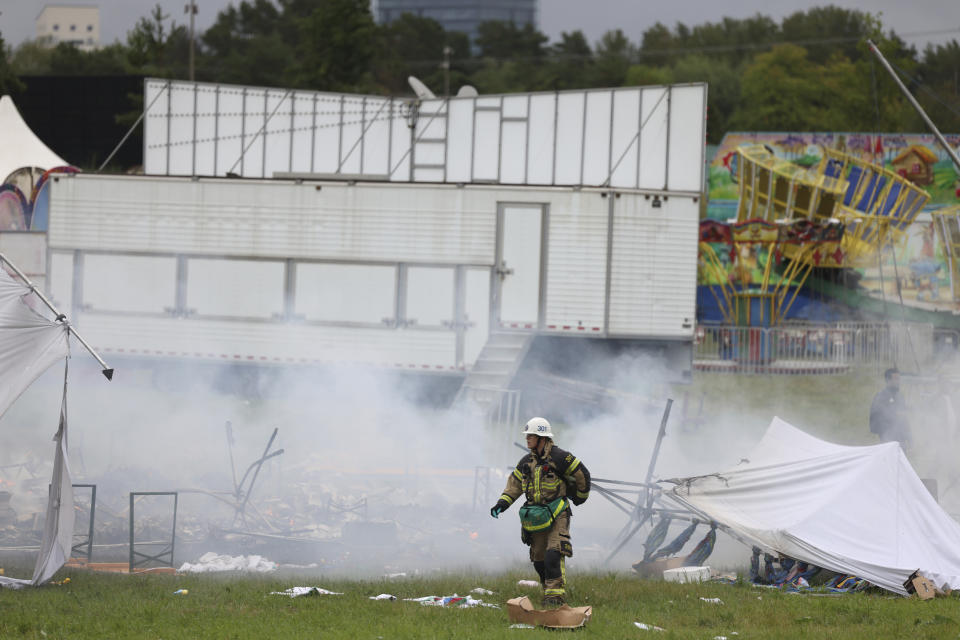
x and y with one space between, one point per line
857 510
20 146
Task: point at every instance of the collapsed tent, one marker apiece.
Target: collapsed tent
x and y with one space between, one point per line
21 146
862 510
29 344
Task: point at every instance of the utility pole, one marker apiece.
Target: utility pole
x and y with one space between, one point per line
192 10
446 71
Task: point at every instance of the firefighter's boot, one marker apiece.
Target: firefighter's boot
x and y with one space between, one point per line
553 585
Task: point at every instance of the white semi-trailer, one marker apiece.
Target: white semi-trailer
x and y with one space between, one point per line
395 234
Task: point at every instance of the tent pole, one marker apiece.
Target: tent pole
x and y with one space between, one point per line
916 105
106 370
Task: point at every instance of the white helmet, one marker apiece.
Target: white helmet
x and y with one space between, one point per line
538 427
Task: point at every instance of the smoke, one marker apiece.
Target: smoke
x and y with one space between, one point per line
378 474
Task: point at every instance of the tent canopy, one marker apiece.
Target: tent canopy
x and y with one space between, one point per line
21 147
856 510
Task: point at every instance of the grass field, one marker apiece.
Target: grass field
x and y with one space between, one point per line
99 606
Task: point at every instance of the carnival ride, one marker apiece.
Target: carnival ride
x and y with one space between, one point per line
946 223
840 212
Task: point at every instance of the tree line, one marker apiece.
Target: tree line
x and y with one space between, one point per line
811 71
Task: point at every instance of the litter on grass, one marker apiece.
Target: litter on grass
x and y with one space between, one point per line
296 592
383 596
528 583
647 627
522 626
482 591
462 602
711 600
212 562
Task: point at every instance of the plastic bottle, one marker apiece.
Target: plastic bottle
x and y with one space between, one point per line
181 592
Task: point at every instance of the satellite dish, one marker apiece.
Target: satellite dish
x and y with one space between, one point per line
467 91
422 91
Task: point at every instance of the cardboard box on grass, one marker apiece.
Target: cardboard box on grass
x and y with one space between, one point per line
921 586
655 568
566 617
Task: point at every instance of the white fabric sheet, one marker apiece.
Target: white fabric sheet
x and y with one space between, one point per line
57 538
21 147
857 510
29 343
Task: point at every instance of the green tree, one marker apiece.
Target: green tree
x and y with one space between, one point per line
615 54
336 46
506 41
252 43
780 91
31 59
939 71
156 46
68 60
656 44
645 75
826 31
8 77
569 64
414 45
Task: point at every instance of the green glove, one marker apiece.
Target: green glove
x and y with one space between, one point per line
499 508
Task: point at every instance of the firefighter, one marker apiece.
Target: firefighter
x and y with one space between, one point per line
550 479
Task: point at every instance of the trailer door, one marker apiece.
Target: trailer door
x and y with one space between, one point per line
520 264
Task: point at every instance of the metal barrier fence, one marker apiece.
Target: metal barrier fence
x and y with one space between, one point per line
814 348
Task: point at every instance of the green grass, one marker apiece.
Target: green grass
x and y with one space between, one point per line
99 606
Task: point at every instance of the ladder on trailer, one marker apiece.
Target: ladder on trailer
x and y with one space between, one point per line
486 389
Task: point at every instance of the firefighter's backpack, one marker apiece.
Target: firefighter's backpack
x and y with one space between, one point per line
540 517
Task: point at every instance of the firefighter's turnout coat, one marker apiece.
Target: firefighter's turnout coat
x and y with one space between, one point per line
544 478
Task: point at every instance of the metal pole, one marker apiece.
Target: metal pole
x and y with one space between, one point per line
916 105
642 514
166 86
107 370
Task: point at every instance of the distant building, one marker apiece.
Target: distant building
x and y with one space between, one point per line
76 24
460 15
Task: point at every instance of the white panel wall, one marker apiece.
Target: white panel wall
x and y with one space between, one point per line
235 288
654 117
277 219
649 137
542 134
577 265
265 342
430 296
654 267
625 148
327 292
129 284
60 277
687 132
335 262
597 138
302 133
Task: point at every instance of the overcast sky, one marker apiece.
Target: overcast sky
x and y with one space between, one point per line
917 21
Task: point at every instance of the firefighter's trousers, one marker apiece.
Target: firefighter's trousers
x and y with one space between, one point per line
548 549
